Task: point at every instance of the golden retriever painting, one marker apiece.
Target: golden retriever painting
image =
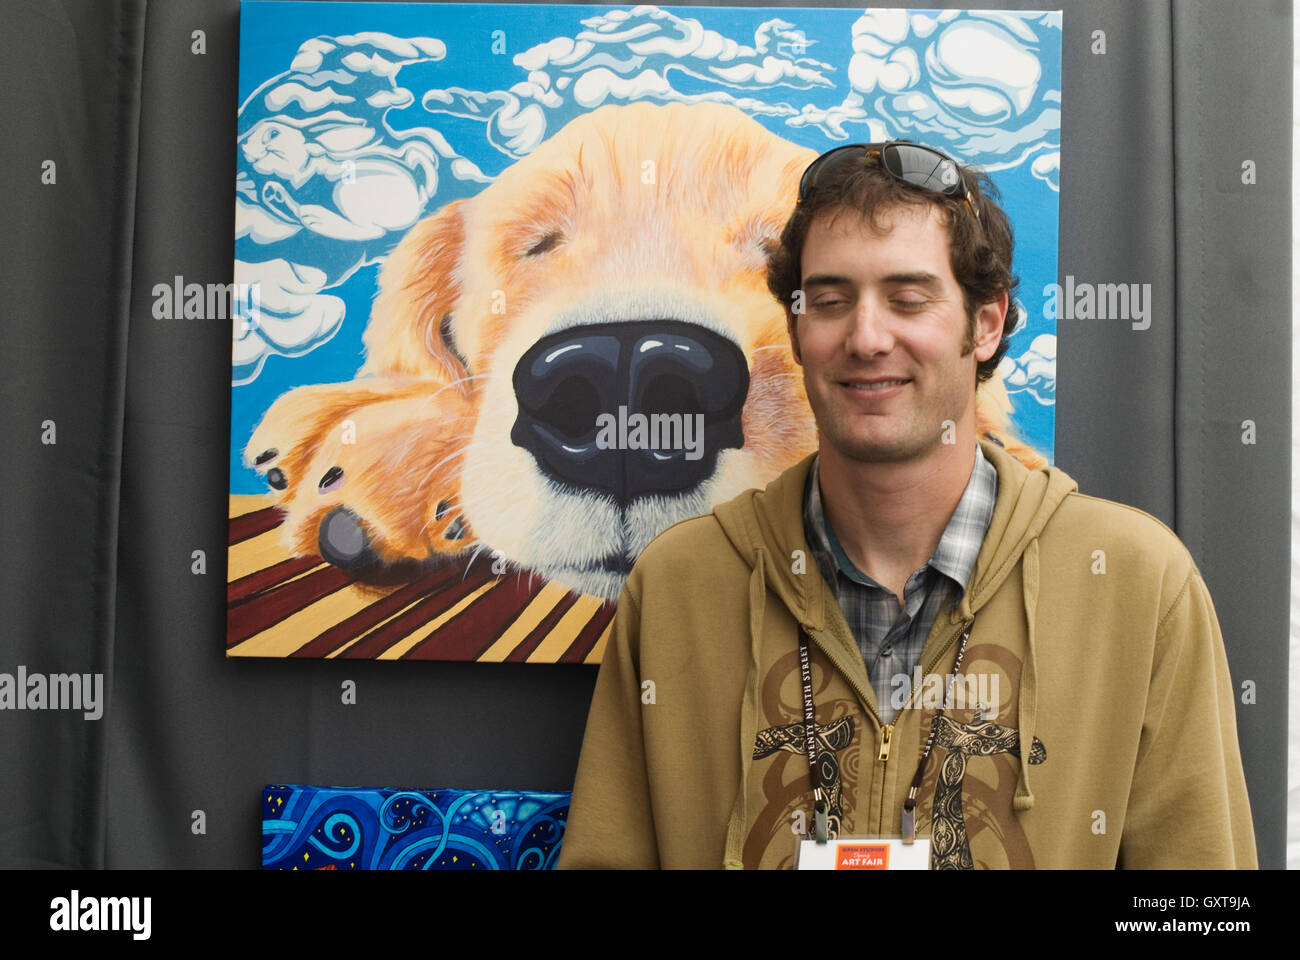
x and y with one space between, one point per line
451 501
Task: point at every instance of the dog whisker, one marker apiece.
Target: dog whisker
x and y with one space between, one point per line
462 436
470 563
468 503
451 456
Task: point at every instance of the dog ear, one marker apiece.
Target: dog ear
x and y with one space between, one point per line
411 324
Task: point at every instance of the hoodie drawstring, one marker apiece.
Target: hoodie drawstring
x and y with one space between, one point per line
1024 798
732 859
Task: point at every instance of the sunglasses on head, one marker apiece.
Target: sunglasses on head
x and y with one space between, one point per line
912 163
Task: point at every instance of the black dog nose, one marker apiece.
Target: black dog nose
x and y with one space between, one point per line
630 409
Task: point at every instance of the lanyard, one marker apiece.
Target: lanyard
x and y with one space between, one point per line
820 825
819 773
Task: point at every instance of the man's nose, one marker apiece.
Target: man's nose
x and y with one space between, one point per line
870 329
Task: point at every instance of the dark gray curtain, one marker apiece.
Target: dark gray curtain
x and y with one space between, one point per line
115 424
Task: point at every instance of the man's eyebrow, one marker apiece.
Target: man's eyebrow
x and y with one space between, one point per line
825 280
921 277
830 279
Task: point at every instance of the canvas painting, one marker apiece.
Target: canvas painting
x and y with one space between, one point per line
503 313
373 828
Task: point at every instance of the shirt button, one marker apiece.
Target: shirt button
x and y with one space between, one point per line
887 652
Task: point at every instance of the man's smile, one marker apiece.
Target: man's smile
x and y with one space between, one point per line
875 387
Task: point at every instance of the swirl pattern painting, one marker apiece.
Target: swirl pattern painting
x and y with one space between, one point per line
356 828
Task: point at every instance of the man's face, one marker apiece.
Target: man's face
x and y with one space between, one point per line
882 336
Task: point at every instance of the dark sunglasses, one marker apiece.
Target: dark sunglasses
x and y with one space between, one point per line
912 163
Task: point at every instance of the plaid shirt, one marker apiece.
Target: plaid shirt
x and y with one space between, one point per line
890 637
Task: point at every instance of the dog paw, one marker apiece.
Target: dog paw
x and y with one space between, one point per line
366 472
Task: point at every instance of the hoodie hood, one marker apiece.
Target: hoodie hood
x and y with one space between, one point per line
766 528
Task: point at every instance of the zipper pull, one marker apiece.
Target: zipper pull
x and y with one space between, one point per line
887 734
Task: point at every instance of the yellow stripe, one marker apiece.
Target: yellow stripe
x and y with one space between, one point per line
598 651
242 503
526 622
255 555
566 631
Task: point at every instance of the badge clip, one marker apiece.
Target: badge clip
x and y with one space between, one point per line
821 829
909 817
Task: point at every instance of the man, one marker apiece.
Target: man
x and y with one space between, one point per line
1088 721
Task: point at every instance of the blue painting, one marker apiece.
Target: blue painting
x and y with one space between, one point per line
345 828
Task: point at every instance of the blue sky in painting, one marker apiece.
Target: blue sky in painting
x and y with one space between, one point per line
430 102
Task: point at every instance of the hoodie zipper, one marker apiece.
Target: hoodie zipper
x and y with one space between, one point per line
887 729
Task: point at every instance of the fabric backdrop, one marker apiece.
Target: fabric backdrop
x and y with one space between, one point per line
115 424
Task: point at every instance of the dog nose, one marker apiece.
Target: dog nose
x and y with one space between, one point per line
630 409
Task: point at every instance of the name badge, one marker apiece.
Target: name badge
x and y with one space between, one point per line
872 854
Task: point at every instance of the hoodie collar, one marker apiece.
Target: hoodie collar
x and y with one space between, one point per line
958 548
772 518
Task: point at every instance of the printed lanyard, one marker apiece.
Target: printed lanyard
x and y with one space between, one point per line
820 829
820 775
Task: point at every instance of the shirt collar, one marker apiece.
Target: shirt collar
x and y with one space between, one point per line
958 548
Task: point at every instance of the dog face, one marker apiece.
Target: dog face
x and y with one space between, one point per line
633 238
618 270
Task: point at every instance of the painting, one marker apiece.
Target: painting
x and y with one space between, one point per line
503 312
374 828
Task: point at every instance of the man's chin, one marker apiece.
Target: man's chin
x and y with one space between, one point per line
882 449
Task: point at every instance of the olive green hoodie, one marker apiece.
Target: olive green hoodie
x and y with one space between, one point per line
1092 638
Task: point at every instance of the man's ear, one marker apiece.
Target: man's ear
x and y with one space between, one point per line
989 321
413 320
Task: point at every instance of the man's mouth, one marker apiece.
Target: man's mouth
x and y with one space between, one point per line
869 386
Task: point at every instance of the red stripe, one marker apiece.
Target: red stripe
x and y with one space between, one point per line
480 624
239 590
432 607
249 525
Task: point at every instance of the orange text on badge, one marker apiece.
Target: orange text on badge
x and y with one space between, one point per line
863 856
